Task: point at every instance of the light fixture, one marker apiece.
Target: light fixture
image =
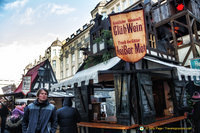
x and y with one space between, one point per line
41 71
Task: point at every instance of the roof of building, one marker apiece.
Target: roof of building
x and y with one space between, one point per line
56 43
33 72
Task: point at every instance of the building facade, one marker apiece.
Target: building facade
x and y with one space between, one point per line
105 8
53 54
71 54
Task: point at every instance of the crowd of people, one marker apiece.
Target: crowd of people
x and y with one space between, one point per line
41 116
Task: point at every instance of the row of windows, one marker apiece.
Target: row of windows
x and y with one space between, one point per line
119 7
55 52
73 59
101 47
67 59
68 71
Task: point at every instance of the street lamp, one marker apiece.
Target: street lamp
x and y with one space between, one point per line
41 72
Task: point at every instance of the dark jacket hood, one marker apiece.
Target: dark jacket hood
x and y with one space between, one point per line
67 102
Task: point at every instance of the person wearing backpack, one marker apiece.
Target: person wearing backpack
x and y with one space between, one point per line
14 122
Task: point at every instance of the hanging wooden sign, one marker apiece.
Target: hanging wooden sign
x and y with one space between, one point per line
129 36
26 85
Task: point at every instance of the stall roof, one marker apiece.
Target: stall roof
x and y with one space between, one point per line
55 94
89 74
92 72
33 73
181 70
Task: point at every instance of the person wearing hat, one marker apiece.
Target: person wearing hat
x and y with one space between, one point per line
39 114
196 112
68 117
14 121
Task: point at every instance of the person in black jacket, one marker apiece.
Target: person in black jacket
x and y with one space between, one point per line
4 113
196 117
40 116
68 117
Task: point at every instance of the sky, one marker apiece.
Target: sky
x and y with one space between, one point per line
28 28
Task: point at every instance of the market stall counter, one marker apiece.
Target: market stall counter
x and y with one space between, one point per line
159 125
83 127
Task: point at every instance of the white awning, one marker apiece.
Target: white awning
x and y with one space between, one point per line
55 94
89 74
92 72
181 70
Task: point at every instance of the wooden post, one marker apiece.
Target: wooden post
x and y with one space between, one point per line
195 31
134 98
191 35
175 41
172 86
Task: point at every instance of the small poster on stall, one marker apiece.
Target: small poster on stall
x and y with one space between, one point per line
195 64
26 85
129 36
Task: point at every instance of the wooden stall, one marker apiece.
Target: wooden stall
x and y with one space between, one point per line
149 93
152 91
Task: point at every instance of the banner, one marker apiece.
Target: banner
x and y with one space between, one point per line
129 36
26 85
195 64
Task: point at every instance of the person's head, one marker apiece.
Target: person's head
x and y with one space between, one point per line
67 102
42 95
196 97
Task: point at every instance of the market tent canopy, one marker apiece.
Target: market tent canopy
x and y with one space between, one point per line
55 94
92 73
181 70
89 74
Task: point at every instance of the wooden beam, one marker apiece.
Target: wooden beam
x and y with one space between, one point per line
134 97
178 15
175 41
193 16
107 77
191 35
185 59
196 31
192 22
197 43
180 23
184 46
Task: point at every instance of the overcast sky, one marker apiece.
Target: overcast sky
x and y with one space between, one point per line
28 27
